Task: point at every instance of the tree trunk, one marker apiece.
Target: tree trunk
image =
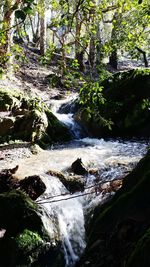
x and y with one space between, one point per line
92 47
79 51
8 22
113 59
144 56
42 28
63 53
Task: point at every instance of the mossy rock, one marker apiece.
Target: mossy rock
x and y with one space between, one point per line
29 249
117 226
9 99
140 255
18 212
25 242
28 246
56 130
126 109
30 127
32 120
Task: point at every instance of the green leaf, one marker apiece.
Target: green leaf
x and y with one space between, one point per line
27 10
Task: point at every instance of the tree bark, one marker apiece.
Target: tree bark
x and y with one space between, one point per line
79 51
92 47
8 22
144 56
42 28
113 59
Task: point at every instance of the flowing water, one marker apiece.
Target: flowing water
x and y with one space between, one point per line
64 213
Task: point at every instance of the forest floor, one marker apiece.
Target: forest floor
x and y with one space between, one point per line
31 77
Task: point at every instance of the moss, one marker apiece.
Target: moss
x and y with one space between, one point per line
125 93
35 122
28 246
140 255
132 201
18 212
117 226
56 129
8 99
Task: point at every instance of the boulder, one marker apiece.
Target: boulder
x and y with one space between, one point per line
30 127
7 181
19 212
125 111
25 242
77 167
71 182
6 124
33 186
29 120
119 230
9 99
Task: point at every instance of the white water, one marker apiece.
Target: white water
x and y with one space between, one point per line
65 219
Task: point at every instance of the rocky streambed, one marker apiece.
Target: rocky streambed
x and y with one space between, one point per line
67 220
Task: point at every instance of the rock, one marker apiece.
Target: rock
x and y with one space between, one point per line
7 181
19 111
25 242
32 120
78 168
33 186
72 183
18 212
126 109
9 99
122 223
6 124
56 174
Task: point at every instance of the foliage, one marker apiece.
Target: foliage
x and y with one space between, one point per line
28 241
46 59
91 97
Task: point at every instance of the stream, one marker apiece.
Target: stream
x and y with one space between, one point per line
64 213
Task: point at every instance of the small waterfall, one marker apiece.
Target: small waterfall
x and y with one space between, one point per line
68 219
66 116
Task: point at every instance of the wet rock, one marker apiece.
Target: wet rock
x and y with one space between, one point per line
33 186
57 174
122 223
31 127
18 212
25 241
77 167
72 183
7 181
